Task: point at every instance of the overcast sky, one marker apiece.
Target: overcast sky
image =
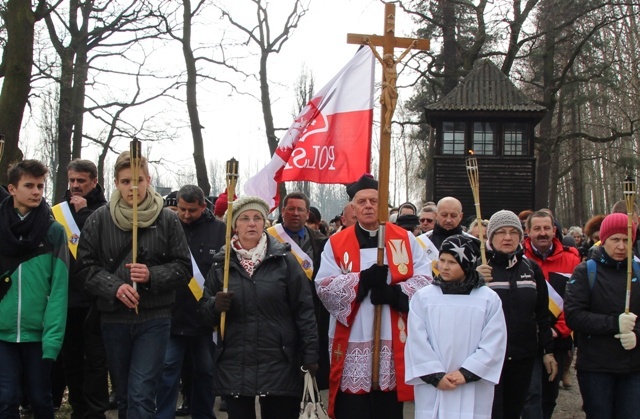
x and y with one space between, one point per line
234 125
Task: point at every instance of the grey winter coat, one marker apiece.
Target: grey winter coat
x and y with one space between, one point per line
270 330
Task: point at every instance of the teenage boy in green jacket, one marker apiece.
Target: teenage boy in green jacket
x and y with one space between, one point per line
34 267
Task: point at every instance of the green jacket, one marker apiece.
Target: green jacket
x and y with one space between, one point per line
35 307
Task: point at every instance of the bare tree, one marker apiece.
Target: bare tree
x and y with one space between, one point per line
88 32
111 114
259 34
304 89
17 60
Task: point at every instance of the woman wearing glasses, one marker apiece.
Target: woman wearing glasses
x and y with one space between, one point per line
270 328
520 284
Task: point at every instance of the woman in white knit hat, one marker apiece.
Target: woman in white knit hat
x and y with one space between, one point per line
520 284
270 327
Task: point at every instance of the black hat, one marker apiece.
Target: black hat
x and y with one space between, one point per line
171 200
316 212
464 249
365 182
408 221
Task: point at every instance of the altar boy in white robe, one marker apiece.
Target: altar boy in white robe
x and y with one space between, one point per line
457 338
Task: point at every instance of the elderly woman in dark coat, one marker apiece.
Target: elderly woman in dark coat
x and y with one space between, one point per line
270 329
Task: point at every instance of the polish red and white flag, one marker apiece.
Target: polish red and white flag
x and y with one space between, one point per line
330 140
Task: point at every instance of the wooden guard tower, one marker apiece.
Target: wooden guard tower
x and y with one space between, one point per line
485 113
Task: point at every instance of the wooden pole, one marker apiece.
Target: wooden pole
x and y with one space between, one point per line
135 156
388 42
474 181
629 198
232 178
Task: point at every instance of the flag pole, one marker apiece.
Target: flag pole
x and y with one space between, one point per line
135 155
629 198
474 181
232 178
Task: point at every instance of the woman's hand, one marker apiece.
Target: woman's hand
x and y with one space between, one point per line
312 368
222 301
485 272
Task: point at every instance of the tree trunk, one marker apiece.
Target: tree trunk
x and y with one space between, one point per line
192 103
65 122
545 145
17 60
449 46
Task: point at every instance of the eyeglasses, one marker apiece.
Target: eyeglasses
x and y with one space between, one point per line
427 220
246 219
501 232
300 210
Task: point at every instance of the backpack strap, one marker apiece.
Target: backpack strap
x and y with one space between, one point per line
592 270
636 270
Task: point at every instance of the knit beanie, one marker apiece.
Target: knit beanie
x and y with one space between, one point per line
171 200
247 203
616 223
503 218
463 249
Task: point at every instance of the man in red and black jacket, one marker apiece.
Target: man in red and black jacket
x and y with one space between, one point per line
557 263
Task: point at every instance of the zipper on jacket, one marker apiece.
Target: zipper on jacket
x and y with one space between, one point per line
19 302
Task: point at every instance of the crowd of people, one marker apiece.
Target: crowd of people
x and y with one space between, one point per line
465 332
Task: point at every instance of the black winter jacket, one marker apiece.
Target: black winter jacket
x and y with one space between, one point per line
205 237
95 199
593 315
270 330
162 247
525 303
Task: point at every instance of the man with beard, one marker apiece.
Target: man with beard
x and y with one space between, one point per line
83 353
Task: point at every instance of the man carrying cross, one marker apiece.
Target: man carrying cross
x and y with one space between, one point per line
367 332
350 284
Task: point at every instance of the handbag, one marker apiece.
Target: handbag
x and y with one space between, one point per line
311 406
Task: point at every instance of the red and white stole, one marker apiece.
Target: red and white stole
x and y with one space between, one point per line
346 251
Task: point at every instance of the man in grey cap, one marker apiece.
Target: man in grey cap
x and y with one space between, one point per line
350 285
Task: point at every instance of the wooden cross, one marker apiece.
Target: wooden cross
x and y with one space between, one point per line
388 42
388 100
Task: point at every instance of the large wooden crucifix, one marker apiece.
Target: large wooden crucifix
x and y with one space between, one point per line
388 100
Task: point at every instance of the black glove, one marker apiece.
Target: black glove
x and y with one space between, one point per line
222 301
392 295
373 277
312 368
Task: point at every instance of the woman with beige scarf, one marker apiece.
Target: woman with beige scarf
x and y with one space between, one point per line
135 322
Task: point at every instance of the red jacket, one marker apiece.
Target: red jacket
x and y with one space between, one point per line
562 260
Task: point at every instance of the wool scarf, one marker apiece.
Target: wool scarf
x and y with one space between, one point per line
471 281
20 235
148 210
